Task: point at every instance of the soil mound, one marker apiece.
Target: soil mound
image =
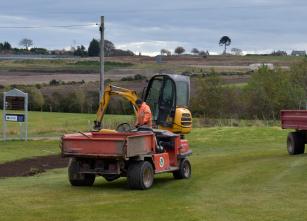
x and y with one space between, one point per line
32 166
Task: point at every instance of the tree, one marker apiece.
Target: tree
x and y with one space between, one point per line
195 51
236 51
209 96
226 41
165 52
39 50
36 98
204 53
94 48
109 48
279 53
80 51
78 101
119 52
26 42
269 91
179 50
7 46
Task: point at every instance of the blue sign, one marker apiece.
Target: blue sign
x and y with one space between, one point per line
15 117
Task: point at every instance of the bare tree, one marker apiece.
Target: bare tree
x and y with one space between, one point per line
26 42
236 51
165 52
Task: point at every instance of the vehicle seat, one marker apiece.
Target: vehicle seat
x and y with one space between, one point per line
144 128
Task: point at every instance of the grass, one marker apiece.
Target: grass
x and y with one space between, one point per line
237 85
241 173
60 65
44 124
14 150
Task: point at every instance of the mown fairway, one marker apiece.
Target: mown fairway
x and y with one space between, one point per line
238 174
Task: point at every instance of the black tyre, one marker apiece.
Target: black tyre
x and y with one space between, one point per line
185 170
76 178
140 175
296 143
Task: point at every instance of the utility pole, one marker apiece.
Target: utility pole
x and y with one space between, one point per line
101 29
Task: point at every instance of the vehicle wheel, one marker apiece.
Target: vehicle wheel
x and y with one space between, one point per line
76 178
185 170
140 175
296 143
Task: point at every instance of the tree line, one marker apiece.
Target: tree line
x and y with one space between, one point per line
266 93
79 50
225 41
76 101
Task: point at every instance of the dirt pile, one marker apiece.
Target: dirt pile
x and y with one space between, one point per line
32 166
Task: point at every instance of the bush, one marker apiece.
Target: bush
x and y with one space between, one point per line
209 97
54 82
127 79
36 98
136 77
269 91
42 51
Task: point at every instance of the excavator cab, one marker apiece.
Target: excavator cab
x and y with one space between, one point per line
168 97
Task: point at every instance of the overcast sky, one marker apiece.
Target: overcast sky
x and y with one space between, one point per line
147 26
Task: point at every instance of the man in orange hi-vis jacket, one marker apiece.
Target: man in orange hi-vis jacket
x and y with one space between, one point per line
144 116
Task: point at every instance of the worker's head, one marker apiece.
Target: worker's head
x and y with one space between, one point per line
139 102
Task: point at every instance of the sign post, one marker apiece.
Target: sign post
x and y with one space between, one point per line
18 101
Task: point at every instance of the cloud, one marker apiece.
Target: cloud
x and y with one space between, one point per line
150 47
148 26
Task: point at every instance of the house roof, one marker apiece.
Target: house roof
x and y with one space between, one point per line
15 93
298 52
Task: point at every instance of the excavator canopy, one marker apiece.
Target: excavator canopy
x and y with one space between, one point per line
164 94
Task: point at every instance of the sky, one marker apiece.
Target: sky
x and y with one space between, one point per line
254 26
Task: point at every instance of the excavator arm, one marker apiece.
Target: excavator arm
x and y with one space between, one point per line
109 91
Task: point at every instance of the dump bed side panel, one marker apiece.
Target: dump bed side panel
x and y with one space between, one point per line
140 145
294 119
107 144
90 147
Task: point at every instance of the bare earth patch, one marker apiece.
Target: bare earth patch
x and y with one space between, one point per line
32 166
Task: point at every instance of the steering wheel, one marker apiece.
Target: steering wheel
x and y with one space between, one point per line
123 127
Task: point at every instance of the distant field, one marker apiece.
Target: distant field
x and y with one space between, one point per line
43 71
87 69
54 66
230 60
233 178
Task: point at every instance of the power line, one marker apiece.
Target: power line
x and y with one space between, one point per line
48 26
188 9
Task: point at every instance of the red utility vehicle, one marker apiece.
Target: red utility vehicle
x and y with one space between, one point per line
295 119
138 153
